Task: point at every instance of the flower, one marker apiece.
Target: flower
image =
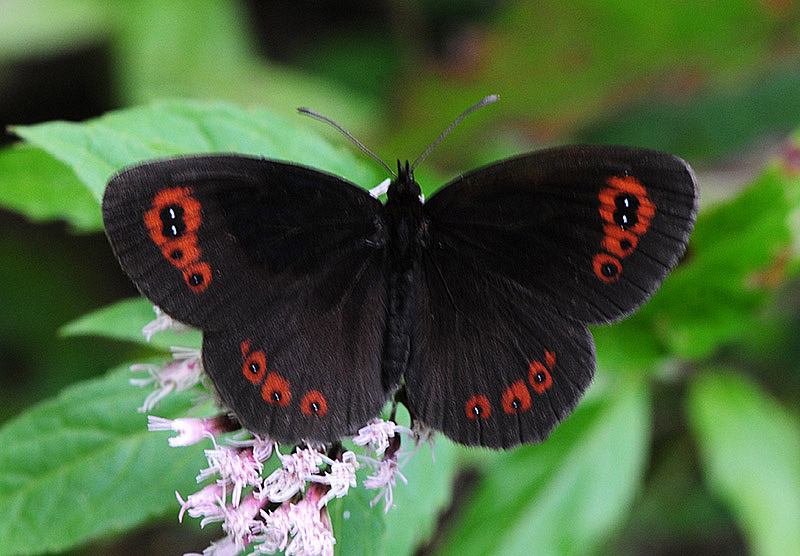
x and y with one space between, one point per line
384 479
273 533
341 477
162 322
235 467
288 480
310 527
262 447
376 433
179 375
190 431
204 503
240 522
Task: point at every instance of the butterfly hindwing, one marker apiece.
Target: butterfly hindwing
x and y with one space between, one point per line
500 366
306 371
594 228
266 258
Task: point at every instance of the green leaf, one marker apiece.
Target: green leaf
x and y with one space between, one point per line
83 466
566 495
40 27
359 529
718 293
417 504
720 288
723 121
34 183
411 520
124 320
98 148
209 50
751 449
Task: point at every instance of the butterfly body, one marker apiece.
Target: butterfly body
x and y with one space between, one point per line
404 221
318 301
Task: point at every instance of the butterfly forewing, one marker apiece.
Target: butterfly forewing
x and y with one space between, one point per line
595 229
282 268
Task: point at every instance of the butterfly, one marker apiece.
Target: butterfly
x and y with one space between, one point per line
317 301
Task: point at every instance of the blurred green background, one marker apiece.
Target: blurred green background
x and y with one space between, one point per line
717 83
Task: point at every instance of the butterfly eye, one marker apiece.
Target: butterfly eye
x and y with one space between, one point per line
314 403
276 390
539 377
609 270
478 406
625 204
627 207
255 367
197 276
182 252
606 267
172 223
516 398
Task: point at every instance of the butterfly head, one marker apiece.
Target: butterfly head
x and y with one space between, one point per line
404 186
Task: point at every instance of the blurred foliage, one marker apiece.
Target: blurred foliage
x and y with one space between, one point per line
688 441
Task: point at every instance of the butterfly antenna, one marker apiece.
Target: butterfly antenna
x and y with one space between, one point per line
343 131
483 102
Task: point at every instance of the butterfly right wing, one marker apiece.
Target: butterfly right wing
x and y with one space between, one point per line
281 267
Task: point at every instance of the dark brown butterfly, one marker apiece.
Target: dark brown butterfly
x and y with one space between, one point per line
317 301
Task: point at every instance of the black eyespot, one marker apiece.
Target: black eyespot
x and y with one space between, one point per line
609 270
627 207
477 410
539 378
276 396
172 224
196 279
176 255
515 403
625 244
314 406
254 367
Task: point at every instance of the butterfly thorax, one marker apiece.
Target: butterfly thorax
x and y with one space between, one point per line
403 215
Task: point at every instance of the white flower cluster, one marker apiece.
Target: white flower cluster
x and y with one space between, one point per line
286 510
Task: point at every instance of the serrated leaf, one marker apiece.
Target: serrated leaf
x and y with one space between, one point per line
83 465
98 148
565 496
124 320
751 449
35 184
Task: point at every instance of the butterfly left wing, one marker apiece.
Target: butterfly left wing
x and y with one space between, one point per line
520 255
281 267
